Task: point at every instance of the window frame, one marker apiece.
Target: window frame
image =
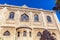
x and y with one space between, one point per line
36 18
11 15
24 33
6 33
24 17
49 20
39 34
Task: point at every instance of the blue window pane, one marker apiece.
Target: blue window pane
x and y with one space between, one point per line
11 16
6 33
49 19
24 17
18 34
36 18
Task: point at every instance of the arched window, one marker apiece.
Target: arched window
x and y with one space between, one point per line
39 34
6 33
24 17
49 19
24 33
18 34
36 17
30 34
11 16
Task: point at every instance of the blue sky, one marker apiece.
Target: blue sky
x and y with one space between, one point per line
45 4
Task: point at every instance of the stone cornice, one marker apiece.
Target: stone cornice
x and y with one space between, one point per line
24 7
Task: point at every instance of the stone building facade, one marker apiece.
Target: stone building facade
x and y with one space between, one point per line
25 23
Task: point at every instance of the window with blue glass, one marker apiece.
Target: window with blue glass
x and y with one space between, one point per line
24 17
36 17
11 16
6 33
49 19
